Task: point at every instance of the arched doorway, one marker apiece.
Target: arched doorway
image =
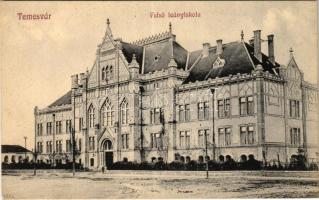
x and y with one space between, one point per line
107 152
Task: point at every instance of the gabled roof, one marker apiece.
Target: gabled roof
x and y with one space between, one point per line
13 149
236 61
64 100
239 58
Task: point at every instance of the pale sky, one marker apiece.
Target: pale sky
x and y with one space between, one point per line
38 57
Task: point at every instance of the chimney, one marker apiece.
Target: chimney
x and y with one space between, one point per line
75 81
219 49
271 54
257 45
206 47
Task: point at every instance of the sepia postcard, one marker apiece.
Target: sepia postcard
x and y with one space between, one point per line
159 100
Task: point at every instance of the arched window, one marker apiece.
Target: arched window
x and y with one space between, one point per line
20 159
103 73
6 159
91 116
221 158
111 72
92 162
107 73
188 159
107 145
107 114
182 159
13 159
124 112
200 159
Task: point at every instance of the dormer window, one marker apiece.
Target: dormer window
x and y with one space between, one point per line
219 62
156 57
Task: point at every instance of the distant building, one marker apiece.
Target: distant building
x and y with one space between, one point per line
154 100
15 154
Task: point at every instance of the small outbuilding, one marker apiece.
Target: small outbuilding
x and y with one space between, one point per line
15 154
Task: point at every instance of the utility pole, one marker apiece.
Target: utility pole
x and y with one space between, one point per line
206 157
73 151
212 90
25 146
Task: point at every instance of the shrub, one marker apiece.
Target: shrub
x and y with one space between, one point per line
192 165
176 165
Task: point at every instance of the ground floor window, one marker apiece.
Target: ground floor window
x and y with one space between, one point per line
247 134
295 136
92 162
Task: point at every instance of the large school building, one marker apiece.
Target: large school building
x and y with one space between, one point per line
153 100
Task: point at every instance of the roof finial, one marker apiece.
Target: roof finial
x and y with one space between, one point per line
170 27
108 22
291 52
242 35
108 28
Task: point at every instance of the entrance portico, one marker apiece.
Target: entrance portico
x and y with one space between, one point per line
106 153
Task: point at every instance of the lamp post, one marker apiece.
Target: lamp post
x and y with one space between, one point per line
212 90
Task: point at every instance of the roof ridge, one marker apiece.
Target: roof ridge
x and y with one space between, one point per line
152 38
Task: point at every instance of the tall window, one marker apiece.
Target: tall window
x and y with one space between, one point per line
91 143
223 108
125 144
203 135
203 110
184 139
224 136
157 115
49 128
181 113
156 140
91 116
49 146
58 127
80 144
294 109
246 105
295 136
107 114
107 73
184 113
39 147
227 136
68 145
124 112
80 123
111 72
103 73
58 146
40 129
68 126
247 135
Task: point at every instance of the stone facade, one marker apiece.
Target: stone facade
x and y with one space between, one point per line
152 100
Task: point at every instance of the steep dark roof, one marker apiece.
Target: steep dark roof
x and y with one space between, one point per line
13 149
130 49
65 99
158 55
239 58
267 65
236 61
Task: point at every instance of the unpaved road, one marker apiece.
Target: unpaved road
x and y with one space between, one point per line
159 184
